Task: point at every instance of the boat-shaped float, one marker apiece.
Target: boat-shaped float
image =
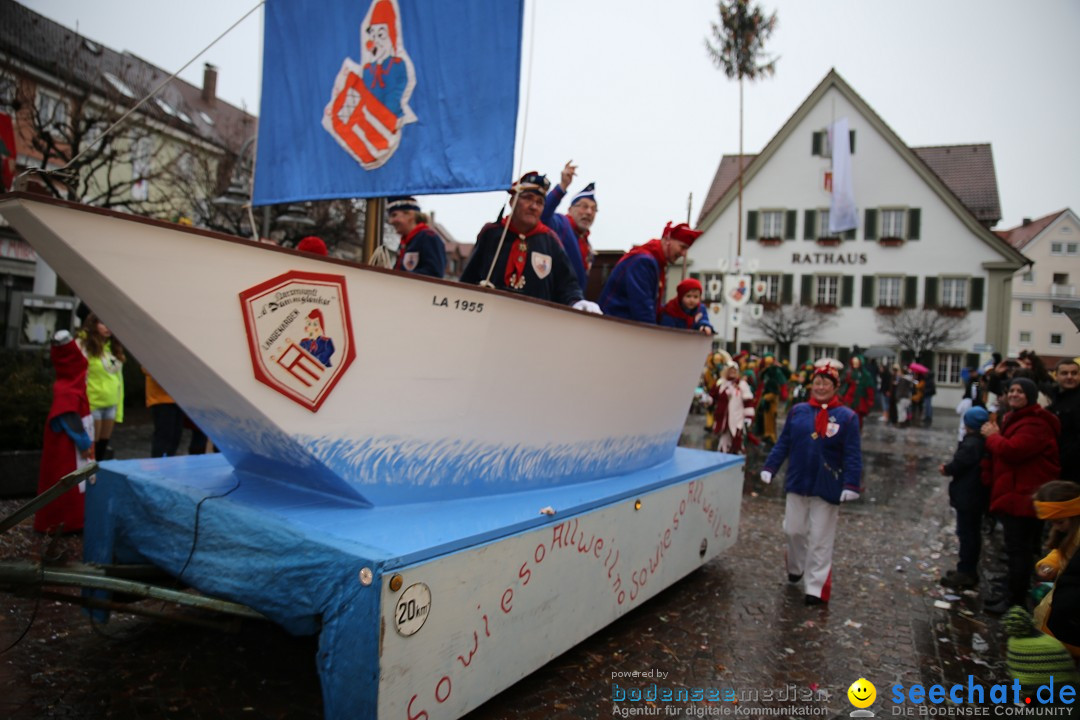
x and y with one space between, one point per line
451 485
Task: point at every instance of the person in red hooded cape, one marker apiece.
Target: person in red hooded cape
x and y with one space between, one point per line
685 310
68 444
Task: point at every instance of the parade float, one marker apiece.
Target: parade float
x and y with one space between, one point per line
451 485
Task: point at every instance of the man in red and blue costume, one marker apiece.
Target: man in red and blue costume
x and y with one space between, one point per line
528 257
421 250
635 290
574 227
68 442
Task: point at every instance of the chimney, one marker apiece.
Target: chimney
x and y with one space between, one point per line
1027 221
209 84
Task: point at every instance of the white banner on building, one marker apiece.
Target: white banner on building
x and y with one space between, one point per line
842 215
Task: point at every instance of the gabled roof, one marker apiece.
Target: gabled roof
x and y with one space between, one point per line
971 182
968 170
34 41
1022 235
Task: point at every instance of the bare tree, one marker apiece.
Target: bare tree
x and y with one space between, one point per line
788 324
923 331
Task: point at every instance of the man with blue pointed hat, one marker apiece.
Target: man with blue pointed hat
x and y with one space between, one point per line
573 228
421 250
520 254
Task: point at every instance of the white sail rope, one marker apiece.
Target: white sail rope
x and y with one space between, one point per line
521 152
153 92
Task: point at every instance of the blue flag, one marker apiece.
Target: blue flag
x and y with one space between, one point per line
373 99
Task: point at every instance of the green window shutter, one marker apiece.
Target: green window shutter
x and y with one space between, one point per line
815 143
787 290
842 354
971 360
914 219
803 355
851 141
906 356
911 291
928 361
809 224
849 234
751 225
748 347
847 290
806 294
791 218
930 298
868 291
870 225
975 298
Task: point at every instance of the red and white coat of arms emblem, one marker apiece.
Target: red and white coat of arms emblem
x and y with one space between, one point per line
300 334
369 104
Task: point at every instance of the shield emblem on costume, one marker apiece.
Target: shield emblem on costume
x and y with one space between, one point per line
410 260
541 264
299 334
737 292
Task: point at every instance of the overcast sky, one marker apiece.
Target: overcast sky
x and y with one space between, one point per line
625 89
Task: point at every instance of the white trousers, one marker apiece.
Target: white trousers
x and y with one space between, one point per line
810 526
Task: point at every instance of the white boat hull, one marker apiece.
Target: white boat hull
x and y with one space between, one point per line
452 391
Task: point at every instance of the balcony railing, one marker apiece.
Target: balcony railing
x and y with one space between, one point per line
1062 291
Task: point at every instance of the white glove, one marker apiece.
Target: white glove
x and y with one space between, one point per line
588 306
766 477
848 496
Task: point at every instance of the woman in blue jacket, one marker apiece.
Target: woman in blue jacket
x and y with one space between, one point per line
821 440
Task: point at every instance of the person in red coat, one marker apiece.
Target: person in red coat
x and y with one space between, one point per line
68 442
1022 457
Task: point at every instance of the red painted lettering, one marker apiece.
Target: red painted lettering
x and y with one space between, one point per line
476 646
667 538
539 553
449 689
613 564
422 715
598 547
557 535
525 573
507 597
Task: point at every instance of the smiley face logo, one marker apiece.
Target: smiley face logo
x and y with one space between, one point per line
862 693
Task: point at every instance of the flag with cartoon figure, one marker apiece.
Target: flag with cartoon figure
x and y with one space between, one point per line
380 98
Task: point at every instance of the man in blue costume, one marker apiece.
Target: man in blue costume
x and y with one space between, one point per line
573 228
527 256
635 289
421 250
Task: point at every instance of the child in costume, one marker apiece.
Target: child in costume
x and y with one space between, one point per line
969 497
1058 614
685 310
68 441
733 404
104 381
857 389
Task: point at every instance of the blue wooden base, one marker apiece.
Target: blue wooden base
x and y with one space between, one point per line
316 563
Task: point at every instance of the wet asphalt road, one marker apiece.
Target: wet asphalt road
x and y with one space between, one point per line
735 625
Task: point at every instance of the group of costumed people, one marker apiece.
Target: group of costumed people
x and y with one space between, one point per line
755 388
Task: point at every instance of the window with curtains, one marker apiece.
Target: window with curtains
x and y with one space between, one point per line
889 289
772 223
954 292
892 223
828 290
772 287
948 368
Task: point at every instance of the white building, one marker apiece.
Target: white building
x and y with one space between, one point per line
1053 244
923 239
